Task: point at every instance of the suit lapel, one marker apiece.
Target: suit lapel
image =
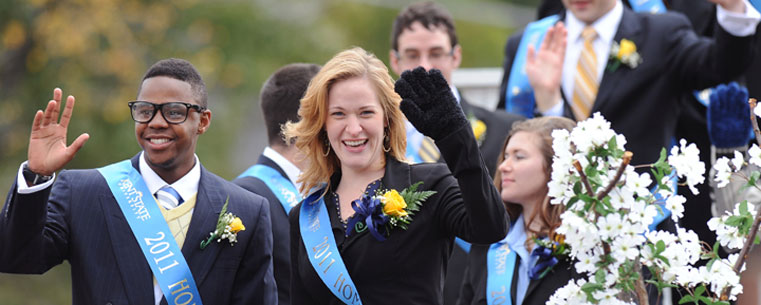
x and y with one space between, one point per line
629 28
135 272
209 202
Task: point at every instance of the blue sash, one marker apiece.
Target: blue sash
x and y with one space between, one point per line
152 233
283 189
663 212
756 4
320 244
519 96
648 6
500 261
464 245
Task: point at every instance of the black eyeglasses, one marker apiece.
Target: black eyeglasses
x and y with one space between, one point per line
173 113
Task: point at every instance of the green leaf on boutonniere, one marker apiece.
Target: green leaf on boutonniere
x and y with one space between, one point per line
413 198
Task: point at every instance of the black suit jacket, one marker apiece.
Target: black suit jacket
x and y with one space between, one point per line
281 254
538 292
408 267
80 221
643 103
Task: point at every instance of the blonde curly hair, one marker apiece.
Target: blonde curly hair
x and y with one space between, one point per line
308 134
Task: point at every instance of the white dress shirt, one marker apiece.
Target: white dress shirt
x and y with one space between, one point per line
290 169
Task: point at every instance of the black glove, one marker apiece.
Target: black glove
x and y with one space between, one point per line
729 116
429 104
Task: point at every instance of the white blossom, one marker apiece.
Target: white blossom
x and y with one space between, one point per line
755 154
686 161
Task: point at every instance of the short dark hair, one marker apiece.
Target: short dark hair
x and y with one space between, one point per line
429 14
281 95
182 70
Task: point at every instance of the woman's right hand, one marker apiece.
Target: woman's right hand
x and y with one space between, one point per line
47 143
428 103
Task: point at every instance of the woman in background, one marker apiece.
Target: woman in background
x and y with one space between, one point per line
516 267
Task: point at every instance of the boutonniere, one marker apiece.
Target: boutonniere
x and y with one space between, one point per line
549 253
228 226
383 210
479 128
624 53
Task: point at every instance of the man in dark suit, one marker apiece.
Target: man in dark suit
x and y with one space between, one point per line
83 218
424 35
640 100
279 98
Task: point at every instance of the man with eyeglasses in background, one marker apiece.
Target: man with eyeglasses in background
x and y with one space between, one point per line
123 243
423 34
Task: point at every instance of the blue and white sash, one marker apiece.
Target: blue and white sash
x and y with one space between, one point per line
500 261
152 233
322 251
756 4
283 188
648 6
519 96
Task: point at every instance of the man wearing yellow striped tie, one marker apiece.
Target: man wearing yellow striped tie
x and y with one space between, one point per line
633 67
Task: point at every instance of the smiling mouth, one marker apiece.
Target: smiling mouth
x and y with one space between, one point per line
159 140
356 143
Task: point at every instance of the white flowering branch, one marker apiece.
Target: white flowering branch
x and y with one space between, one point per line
748 245
609 207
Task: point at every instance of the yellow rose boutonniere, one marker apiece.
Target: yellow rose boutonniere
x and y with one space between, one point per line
479 128
393 204
228 226
623 53
382 210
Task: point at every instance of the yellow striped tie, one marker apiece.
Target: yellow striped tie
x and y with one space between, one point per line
428 151
585 84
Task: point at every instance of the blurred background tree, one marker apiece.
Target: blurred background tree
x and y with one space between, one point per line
98 50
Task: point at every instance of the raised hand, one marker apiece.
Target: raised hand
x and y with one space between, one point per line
47 144
544 67
428 103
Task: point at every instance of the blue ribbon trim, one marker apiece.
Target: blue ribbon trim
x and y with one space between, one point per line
282 187
544 263
370 211
152 233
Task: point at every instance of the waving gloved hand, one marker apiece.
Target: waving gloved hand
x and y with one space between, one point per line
729 116
429 104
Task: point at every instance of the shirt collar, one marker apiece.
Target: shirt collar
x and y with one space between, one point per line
187 186
606 26
290 169
456 93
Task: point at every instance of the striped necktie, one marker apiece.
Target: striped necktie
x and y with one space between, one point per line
168 197
585 84
428 151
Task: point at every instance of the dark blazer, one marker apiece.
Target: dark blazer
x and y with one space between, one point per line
539 291
498 125
643 103
281 252
80 221
409 266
